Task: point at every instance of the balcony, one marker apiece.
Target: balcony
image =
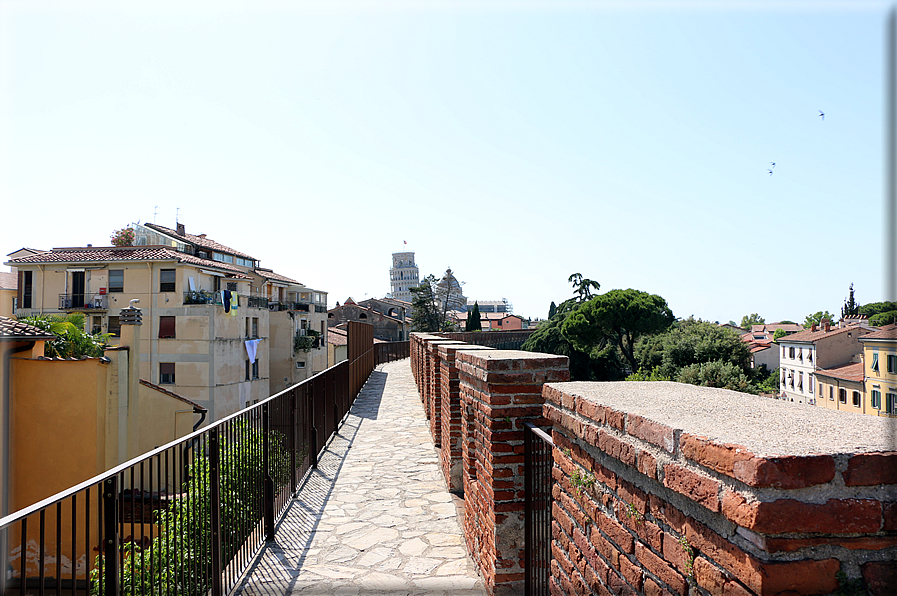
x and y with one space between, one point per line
202 297
320 308
257 302
83 302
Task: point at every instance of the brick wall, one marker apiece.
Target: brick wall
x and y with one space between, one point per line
503 340
499 390
433 397
662 488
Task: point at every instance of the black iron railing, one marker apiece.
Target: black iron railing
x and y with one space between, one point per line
257 302
83 302
202 297
537 462
188 517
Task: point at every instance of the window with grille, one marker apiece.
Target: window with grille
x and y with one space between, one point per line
166 373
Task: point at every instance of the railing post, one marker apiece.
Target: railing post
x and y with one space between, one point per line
268 480
293 442
528 509
110 537
313 430
215 514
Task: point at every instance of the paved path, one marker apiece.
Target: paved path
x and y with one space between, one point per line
375 517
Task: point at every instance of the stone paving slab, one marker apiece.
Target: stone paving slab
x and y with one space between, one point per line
375 517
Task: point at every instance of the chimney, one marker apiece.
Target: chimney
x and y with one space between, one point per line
813 327
181 229
827 325
131 319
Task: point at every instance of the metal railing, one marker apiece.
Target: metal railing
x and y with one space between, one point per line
257 302
186 518
202 297
392 350
83 302
537 463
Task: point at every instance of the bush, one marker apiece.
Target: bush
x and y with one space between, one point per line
723 375
123 237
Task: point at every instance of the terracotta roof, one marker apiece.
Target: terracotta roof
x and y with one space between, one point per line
268 274
759 347
852 371
196 406
8 281
337 337
820 333
888 332
11 329
199 241
125 253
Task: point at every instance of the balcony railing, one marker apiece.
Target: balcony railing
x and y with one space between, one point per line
83 302
257 302
187 517
320 308
202 297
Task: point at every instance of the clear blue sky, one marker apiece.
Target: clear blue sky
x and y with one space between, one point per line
515 142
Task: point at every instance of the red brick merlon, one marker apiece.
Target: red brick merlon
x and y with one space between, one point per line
769 496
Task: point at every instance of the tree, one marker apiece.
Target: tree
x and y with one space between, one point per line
874 308
552 310
751 319
817 317
779 333
123 237
883 318
584 366
620 317
851 307
724 375
473 319
689 342
582 286
425 314
71 341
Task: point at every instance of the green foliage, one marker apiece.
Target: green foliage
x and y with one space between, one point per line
874 308
72 341
305 343
582 287
851 307
768 383
689 557
634 513
179 559
883 318
644 375
619 317
817 317
848 587
724 375
691 341
582 481
584 366
123 237
787 322
473 319
751 319
778 333
552 310
425 315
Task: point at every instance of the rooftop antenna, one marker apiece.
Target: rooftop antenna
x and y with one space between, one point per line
177 215
155 210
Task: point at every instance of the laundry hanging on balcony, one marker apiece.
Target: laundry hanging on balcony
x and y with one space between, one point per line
251 347
234 303
225 300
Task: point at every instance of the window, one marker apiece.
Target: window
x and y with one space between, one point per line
232 286
247 329
875 361
300 364
831 393
362 316
166 327
783 377
255 369
248 369
891 403
842 395
810 383
96 325
784 351
800 354
809 355
876 399
255 327
116 280
25 288
892 363
800 381
820 389
114 327
856 399
167 280
166 373
791 353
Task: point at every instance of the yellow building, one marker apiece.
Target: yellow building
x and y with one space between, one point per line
880 371
841 388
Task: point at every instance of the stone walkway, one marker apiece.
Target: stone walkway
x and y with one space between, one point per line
375 517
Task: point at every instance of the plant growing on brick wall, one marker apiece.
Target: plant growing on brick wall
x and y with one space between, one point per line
581 481
689 556
848 587
632 512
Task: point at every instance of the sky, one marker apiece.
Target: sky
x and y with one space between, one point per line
515 142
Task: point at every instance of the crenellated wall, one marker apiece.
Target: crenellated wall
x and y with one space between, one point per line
663 488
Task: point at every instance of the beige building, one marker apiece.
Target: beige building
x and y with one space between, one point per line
880 371
841 388
194 343
8 290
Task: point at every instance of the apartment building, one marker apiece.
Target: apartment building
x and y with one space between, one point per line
206 308
820 347
880 371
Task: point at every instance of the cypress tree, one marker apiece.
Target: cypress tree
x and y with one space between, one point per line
473 319
552 310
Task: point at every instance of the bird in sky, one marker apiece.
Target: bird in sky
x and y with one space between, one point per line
773 164
822 114
770 172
